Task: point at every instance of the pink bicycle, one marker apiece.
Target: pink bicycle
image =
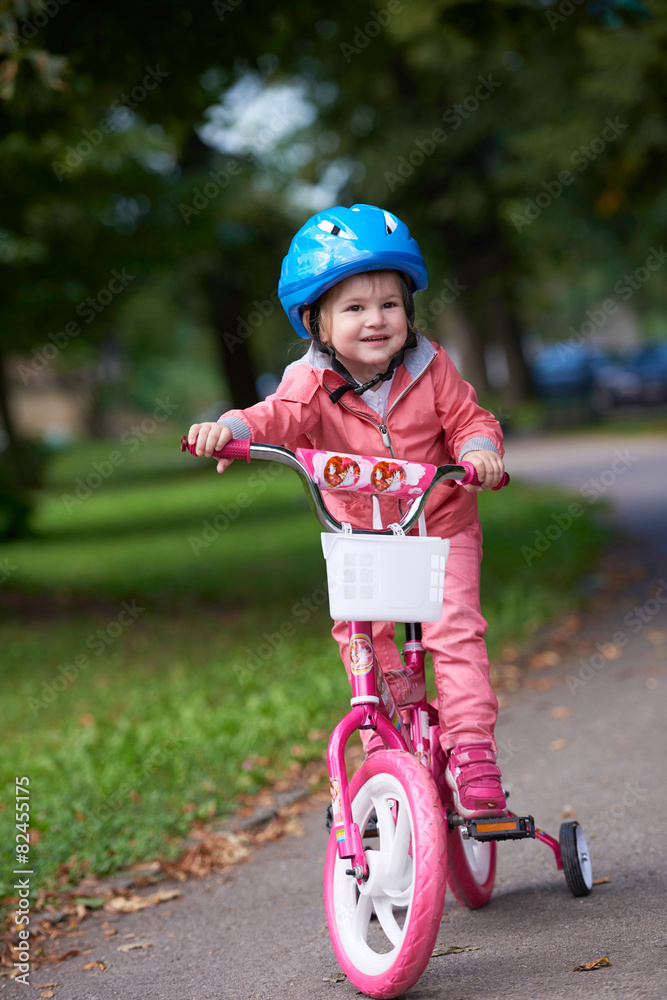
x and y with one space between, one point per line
396 841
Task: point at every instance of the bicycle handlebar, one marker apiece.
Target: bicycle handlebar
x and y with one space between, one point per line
472 479
464 473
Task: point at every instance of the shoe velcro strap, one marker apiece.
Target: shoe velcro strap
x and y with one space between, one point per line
473 772
472 756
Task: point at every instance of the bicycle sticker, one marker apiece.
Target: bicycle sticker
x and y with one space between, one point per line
364 474
341 471
337 809
361 654
388 477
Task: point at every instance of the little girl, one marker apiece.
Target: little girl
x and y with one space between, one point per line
372 384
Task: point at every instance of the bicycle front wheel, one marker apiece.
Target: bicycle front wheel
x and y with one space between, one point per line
405 889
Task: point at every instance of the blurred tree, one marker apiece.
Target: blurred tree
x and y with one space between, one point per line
461 118
111 185
131 156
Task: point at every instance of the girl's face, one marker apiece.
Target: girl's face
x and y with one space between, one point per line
364 320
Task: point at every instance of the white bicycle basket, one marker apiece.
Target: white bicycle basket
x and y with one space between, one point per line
385 577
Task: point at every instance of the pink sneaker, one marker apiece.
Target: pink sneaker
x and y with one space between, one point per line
474 777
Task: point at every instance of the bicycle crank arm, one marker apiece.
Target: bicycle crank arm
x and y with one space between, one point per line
492 827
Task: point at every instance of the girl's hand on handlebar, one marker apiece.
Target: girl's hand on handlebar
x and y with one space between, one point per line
211 437
489 467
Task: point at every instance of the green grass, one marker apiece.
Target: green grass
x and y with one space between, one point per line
225 669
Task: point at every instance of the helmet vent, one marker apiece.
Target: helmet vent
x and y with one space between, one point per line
328 227
390 222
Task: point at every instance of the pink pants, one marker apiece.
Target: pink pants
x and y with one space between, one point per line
467 706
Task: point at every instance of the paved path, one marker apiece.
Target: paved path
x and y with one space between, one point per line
260 932
629 470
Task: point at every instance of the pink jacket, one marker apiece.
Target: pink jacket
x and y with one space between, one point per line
432 416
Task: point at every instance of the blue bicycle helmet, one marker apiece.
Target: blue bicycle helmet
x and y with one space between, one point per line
339 242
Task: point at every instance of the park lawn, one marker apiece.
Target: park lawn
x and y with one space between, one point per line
167 646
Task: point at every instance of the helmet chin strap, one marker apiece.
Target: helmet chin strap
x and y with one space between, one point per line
352 384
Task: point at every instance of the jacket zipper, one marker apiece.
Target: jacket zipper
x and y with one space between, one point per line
382 427
386 440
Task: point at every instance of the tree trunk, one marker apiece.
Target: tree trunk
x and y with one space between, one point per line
506 329
459 331
232 333
16 463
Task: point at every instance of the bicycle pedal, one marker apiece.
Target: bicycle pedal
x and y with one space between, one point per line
501 828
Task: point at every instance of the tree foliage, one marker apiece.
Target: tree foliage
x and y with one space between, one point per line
522 141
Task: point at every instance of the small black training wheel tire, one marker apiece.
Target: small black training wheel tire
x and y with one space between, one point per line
576 859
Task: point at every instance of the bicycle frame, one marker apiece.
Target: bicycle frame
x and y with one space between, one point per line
405 727
373 708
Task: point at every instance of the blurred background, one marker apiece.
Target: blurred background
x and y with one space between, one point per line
155 162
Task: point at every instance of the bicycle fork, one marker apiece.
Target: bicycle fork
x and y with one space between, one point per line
374 708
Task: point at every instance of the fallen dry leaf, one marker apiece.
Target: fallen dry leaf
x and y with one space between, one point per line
45 986
52 959
453 949
93 965
601 881
561 712
541 683
133 945
277 828
547 659
212 852
337 977
595 963
46 993
110 931
557 744
131 904
147 867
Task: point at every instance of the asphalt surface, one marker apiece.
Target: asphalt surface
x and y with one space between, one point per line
589 740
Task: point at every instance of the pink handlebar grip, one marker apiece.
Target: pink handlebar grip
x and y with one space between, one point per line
233 449
470 477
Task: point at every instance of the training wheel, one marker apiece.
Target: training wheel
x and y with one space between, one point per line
576 859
